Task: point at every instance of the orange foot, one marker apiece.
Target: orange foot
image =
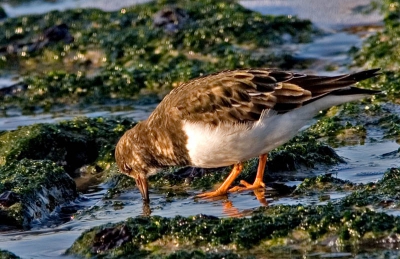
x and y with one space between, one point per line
258 184
210 195
223 189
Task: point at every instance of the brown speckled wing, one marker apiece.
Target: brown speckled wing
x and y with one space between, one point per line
243 95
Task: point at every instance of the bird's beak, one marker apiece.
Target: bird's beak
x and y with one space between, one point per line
141 182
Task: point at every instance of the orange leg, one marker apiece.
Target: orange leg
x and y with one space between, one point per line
223 189
258 182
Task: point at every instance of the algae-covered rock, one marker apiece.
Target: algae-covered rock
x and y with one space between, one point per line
7 255
303 151
197 254
338 130
41 186
391 124
295 227
384 193
36 163
321 183
378 51
71 144
116 54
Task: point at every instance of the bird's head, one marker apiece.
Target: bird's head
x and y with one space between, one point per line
131 161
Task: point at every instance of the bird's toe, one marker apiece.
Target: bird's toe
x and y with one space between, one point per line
245 186
213 194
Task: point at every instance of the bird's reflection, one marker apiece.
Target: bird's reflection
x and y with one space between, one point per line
228 208
260 195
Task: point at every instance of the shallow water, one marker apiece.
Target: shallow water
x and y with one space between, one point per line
14 119
329 50
51 242
367 163
40 7
324 13
327 14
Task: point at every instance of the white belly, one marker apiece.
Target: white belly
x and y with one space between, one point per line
229 144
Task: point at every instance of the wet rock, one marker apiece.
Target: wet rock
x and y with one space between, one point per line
197 254
322 183
303 151
281 189
41 188
36 163
70 144
45 141
8 198
14 89
171 19
2 13
57 33
391 124
342 128
88 176
110 238
51 35
391 154
205 216
8 221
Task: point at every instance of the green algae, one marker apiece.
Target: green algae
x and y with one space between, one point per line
198 231
382 193
379 51
40 185
390 183
304 150
7 255
115 54
189 178
333 127
71 144
37 161
348 124
391 124
196 254
323 183
347 223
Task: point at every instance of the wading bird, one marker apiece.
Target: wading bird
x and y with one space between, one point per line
229 117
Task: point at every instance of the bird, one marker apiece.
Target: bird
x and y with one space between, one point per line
229 117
